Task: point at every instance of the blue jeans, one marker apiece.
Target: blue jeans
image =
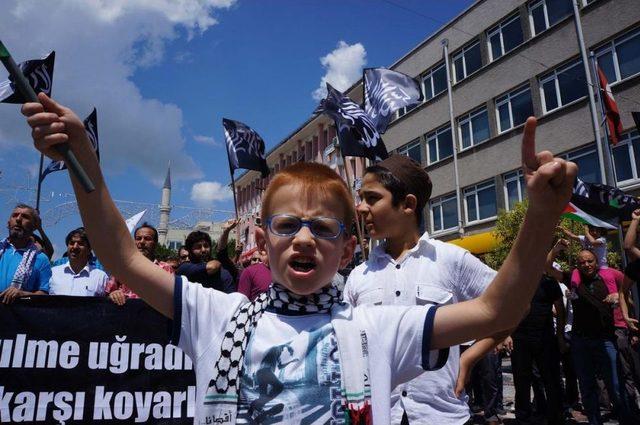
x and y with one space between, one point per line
591 355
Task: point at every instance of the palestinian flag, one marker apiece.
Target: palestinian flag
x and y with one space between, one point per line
574 213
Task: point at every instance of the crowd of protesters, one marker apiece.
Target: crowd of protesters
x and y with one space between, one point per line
577 349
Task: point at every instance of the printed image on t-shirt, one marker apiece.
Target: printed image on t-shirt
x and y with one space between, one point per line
296 382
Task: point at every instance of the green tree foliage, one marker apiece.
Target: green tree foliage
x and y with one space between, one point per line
508 225
163 253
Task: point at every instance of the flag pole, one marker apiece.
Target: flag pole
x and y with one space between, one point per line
233 189
27 91
606 149
358 228
39 187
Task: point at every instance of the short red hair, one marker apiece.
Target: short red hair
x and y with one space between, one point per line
316 180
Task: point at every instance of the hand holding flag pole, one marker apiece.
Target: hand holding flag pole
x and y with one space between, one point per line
27 91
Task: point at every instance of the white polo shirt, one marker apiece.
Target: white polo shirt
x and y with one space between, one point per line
89 282
431 273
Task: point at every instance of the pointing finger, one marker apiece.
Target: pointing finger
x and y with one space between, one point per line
529 159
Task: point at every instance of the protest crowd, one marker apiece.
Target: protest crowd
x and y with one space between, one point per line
406 329
577 348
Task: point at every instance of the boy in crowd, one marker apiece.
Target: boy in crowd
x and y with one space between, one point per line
78 277
201 268
412 269
593 240
296 354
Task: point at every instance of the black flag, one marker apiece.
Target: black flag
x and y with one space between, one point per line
39 73
385 92
91 126
245 147
604 202
357 134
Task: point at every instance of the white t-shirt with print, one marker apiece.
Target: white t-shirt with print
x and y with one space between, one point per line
431 273
291 368
600 250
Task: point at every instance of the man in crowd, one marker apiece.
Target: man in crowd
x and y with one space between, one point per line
201 268
78 277
535 342
593 334
183 255
256 278
146 239
409 269
23 269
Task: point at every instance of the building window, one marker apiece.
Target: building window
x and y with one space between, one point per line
467 61
620 58
439 145
563 86
404 110
504 37
588 163
546 13
514 189
435 81
480 202
514 108
626 158
412 150
444 213
473 128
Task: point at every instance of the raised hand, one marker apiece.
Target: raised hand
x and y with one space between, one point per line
635 215
549 180
52 124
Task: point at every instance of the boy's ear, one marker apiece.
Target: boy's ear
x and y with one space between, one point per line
411 202
347 253
261 239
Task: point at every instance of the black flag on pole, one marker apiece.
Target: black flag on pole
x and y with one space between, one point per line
357 134
245 147
385 92
91 126
39 73
604 202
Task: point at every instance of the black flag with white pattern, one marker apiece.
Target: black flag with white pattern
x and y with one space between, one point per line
91 127
357 134
39 73
245 147
385 92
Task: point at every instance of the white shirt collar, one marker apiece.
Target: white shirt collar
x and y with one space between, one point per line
87 268
379 252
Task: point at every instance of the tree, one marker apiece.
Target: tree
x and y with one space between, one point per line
163 253
509 223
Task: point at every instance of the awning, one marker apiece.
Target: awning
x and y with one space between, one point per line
480 243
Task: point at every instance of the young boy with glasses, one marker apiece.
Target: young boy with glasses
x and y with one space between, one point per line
297 354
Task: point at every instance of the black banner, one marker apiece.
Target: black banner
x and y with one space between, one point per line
67 360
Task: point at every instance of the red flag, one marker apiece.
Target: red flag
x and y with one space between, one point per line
611 109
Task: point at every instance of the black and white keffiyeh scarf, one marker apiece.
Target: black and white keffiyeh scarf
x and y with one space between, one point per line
23 272
221 398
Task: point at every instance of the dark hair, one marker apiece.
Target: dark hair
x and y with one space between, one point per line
147 226
194 237
81 233
398 189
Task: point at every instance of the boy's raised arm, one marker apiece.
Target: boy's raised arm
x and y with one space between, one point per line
549 183
52 124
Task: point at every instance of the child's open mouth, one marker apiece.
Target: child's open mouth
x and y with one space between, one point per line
302 265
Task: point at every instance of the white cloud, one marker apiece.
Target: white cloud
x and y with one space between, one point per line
343 68
99 46
206 140
206 193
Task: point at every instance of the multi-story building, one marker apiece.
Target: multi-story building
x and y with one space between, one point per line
507 59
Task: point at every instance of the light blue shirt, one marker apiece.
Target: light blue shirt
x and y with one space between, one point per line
88 282
40 275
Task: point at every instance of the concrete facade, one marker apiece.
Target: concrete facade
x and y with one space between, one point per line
562 130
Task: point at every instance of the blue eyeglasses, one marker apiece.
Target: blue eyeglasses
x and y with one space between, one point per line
286 225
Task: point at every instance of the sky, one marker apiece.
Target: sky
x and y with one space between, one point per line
163 73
